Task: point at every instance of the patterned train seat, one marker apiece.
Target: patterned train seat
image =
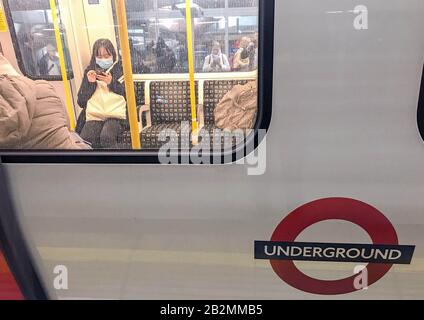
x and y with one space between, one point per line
139 96
214 91
169 108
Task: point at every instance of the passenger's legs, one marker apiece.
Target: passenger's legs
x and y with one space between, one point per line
111 135
91 133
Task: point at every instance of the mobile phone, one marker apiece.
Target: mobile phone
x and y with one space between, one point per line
100 71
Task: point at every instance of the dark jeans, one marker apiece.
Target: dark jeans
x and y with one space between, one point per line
104 134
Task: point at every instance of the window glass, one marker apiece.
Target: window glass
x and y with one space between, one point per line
216 110
224 32
36 42
242 3
156 31
225 56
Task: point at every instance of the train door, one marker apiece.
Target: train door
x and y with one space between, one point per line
343 145
186 57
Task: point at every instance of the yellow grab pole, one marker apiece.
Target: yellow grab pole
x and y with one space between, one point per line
121 14
68 96
189 27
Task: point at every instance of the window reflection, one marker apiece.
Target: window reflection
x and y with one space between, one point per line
242 3
157 32
32 22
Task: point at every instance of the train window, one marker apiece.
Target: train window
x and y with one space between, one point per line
196 82
34 39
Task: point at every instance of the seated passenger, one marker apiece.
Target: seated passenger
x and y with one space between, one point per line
165 57
27 45
49 64
32 115
216 61
102 97
182 57
252 53
137 59
241 58
149 58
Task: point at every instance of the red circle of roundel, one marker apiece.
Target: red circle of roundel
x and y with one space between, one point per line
367 217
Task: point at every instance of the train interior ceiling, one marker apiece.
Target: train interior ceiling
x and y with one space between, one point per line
224 52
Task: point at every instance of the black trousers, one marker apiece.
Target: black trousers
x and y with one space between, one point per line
104 134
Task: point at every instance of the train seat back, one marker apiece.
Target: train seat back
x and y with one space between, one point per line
213 92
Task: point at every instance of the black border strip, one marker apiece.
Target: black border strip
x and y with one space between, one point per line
14 247
420 111
263 121
18 53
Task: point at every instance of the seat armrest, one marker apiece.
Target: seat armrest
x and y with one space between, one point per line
201 116
145 109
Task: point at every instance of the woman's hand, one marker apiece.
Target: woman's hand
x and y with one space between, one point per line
105 77
92 76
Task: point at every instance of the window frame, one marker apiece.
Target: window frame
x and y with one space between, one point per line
420 110
18 53
263 120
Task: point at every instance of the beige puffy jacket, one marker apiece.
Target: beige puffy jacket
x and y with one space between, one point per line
238 108
32 116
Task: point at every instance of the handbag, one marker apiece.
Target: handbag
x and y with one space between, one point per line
105 104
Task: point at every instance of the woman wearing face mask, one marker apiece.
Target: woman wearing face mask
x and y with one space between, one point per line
216 61
102 98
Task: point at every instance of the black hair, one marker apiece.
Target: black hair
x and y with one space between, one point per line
103 43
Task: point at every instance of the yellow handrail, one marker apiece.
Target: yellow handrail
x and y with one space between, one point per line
68 96
189 27
121 15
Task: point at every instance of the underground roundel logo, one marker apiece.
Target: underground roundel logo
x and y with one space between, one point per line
283 250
